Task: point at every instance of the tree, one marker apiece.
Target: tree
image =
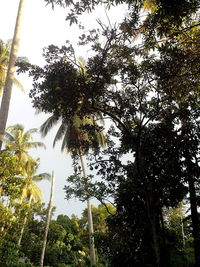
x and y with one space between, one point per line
150 93
19 142
64 243
10 185
30 190
80 134
10 73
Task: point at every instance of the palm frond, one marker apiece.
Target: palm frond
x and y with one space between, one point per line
60 133
31 189
24 193
48 125
41 177
30 167
31 131
35 145
65 141
15 128
19 85
101 139
35 192
8 137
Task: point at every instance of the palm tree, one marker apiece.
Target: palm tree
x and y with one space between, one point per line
77 139
5 103
19 142
4 59
31 191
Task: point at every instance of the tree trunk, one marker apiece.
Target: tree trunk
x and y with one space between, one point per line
190 165
90 222
5 103
153 222
47 222
24 223
195 221
151 212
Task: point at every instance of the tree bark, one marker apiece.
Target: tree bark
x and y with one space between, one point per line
5 103
47 221
90 221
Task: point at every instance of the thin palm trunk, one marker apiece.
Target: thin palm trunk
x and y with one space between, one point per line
90 222
182 231
47 221
5 103
24 223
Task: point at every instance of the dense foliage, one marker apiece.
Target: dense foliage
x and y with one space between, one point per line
143 78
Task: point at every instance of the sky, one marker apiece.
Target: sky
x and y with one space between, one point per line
41 27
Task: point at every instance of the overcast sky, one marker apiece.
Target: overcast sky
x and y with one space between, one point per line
42 26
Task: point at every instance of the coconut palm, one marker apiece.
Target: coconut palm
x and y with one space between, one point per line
31 192
78 135
5 103
30 189
4 59
19 142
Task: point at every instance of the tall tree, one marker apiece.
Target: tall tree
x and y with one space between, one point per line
78 139
5 103
139 86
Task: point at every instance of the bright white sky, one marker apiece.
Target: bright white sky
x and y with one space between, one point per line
42 26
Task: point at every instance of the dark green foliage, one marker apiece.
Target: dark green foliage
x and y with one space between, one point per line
150 91
63 244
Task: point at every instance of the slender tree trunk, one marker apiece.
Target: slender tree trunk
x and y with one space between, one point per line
5 103
195 221
47 221
182 231
24 223
90 221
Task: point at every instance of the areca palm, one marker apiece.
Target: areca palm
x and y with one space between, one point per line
78 135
